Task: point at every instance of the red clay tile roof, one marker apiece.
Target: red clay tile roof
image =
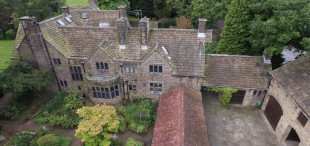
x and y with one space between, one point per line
180 119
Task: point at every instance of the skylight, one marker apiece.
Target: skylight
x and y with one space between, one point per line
104 24
85 15
68 19
60 22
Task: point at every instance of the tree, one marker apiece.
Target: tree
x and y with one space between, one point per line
20 78
184 23
97 124
212 10
147 7
112 4
234 38
279 23
163 8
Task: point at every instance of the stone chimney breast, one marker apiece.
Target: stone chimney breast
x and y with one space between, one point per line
144 26
122 29
65 10
202 28
122 12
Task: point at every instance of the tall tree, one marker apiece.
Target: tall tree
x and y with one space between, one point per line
212 10
279 23
147 7
112 4
163 8
234 38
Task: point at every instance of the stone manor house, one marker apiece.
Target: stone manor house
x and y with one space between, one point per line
91 52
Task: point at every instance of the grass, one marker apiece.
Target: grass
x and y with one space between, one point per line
6 47
76 3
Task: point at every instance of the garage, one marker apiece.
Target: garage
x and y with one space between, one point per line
237 98
273 112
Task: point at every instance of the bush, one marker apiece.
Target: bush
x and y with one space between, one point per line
23 139
49 140
10 35
116 142
131 113
122 124
41 120
132 142
11 111
167 23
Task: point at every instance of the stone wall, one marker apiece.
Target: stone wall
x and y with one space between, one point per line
250 99
289 118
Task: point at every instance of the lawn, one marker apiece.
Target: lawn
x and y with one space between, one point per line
6 47
76 3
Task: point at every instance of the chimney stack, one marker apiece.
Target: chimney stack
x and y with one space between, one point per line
144 26
266 58
122 29
65 10
122 12
202 28
93 2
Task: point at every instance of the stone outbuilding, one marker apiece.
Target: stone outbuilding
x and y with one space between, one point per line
249 74
287 102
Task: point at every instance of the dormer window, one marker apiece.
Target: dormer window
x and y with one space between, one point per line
61 23
85 16
68 19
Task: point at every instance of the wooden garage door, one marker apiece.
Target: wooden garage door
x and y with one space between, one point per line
237 98
273 112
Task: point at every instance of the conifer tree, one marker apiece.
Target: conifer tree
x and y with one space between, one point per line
234 38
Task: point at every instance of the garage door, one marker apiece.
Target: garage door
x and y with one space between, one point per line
237 98
273 112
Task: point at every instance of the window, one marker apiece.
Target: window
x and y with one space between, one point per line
76 73
260 93
156 69
302 119
254 93
114 91
63 83
85 16
56 61
132 88
80 88
103 67
131 69
105 92
156 88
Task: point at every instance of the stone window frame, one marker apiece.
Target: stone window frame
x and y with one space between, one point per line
131 69
105 92
76 73
154 69
102 66
302 119
132 88
258 93
156 88
63 83
56 62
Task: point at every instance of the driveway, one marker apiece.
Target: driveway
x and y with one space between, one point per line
235 125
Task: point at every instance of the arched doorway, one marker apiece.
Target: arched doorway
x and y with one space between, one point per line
273 112
292 138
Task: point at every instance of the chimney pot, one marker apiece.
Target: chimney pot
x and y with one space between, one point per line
65 10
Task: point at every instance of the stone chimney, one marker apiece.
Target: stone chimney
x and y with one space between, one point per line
266 58
144 26
93 2
122 29
202 28
65 10
36 42
122 12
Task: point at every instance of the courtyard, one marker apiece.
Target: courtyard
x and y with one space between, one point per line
235 125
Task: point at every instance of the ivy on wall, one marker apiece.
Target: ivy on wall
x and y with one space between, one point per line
227 93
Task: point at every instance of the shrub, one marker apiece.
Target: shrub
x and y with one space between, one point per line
49 140
167 23
122 124
132 142
140 129
11 111
184 23
41 120
116 142
10 34
23 139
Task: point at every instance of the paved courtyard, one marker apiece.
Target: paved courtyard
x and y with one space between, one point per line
235 125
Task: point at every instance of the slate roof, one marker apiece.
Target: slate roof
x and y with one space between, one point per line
182 48
180 119
294 77
236 71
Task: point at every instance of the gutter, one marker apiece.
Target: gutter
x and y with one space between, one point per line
235 87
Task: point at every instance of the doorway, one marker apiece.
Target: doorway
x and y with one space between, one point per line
292 138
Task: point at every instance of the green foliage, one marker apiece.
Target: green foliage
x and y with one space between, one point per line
61 111
210 48
9 35
132 142
226 93
131 113
20 78
23 139
76 3
112 4
6 48
122 124
279 23
212 10
166 23
11 111
116 142
163 8
234 38
147 7
49 139
97 124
